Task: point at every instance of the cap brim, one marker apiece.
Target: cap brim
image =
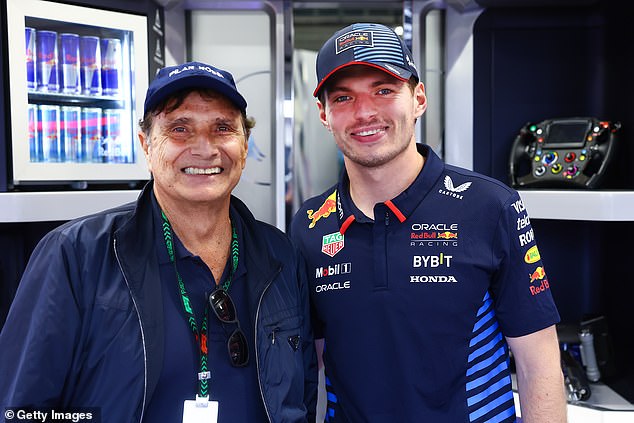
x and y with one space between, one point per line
396 71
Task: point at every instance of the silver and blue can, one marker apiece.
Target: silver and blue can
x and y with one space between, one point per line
90 62
49 132
91 138
112 135
110 65
46 62
69 63
35 149
29 33
71 134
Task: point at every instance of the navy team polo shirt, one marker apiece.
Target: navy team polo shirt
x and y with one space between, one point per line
414 305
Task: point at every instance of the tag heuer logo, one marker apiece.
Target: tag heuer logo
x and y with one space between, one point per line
332 243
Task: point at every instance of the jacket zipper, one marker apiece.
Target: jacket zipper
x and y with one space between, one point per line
257 320
138 314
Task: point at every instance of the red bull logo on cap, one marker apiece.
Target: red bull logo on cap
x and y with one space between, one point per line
329 206
353 39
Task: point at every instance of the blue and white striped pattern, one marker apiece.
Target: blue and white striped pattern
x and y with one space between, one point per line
489 392
389 47
331 401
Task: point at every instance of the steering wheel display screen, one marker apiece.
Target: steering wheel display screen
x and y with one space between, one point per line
562 134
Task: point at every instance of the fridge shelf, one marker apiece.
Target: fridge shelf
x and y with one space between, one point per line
77 100
59 206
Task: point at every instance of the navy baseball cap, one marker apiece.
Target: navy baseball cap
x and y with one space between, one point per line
171 79
368 44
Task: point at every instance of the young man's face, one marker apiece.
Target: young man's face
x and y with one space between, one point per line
197 152
371 114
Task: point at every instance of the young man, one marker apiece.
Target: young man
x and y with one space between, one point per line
181 307
421 274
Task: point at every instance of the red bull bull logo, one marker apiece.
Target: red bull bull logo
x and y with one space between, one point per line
538 275
448 235
329 206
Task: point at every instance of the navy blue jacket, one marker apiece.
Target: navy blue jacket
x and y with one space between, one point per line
86 326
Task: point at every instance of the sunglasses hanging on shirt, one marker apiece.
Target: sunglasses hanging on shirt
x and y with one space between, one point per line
224 309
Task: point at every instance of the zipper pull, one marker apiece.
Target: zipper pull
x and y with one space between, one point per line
273 336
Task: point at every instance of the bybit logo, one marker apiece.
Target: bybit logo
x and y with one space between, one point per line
432 261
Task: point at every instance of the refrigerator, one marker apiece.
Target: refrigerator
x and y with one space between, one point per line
74 79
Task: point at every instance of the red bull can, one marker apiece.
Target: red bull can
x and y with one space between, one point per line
29 33
91 134
49 132
110 66
35 150
69 63
71 134
112 135
90 61
46 63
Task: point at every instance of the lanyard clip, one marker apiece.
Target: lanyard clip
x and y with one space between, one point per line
202 401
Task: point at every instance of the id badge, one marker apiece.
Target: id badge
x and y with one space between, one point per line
200 410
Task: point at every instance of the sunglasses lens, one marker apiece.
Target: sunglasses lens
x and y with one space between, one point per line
238 351
222 305
225 310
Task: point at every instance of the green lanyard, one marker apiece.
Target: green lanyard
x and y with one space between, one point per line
200 337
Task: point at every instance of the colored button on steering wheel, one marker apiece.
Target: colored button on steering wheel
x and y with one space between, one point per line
571 172
556 168
550 158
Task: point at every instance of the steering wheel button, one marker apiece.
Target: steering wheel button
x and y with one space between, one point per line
550 157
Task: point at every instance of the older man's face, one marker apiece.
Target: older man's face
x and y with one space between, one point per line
197 152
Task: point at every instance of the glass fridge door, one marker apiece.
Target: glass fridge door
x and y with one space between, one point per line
77 78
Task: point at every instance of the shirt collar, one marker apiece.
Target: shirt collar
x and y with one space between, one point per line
403 205
180 252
